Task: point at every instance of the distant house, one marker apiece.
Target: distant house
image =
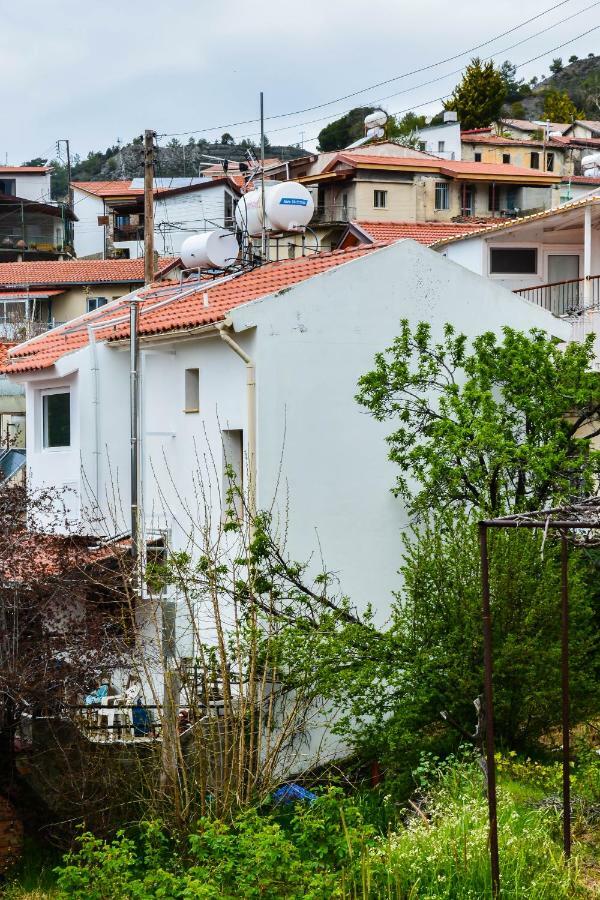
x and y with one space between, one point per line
426 233
111 214
584 128
413 187
443 139
35 296
12 407
31 225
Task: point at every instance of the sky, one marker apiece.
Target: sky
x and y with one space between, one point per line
99 72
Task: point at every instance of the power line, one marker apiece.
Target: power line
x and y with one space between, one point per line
389 80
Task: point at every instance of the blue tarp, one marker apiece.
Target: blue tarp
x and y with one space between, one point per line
291 793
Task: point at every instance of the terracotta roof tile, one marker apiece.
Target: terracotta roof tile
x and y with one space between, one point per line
25 170
423 232
77 271
180 307
108 188
445 167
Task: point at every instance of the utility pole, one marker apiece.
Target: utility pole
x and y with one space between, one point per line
149 205
65 141
262 179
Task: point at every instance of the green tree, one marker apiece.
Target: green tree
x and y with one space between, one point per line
573 58
558 107
508 71
495 424
556 66
479 97
227 139
344 130
405 130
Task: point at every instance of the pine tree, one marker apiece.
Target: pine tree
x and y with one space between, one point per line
558 107
479 97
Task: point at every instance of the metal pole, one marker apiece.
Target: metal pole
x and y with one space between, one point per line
149 206
565 697
489 711
262 178
134 404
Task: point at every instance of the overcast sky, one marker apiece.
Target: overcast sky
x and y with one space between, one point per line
95 72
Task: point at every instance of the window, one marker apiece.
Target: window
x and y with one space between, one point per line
233 473
95 303
422 146
493 198
121 221
477 157
229 209
291 251
513 260
535 159
506 158
441 146
380 199
442 195
8 186
56 414
550 162
192 390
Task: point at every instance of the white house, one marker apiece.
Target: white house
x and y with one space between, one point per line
26 182
306 329
443 139
111 214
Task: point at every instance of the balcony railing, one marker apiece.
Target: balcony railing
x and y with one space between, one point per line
24 329
563 298
128 233
330 215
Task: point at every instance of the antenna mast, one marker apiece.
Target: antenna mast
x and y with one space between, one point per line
262 178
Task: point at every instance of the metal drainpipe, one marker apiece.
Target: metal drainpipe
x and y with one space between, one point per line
96 405
223 329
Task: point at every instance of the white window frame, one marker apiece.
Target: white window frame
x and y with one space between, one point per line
48 392
446 185
95 299
383 205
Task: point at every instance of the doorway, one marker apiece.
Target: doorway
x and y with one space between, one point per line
563 272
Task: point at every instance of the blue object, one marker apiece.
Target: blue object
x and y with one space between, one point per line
291 793
142 722
97 695
293 201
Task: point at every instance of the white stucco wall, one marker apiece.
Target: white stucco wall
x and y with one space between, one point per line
177 217
449 133
31 187
88 235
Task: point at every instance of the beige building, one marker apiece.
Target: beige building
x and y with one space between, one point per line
374 185
35 296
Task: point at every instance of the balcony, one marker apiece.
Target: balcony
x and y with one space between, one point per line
128 233
12 329
333 214
564 298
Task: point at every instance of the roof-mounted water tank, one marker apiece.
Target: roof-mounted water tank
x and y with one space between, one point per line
210 250
288 207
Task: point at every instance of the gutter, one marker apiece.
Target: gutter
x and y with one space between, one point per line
96 407
224 329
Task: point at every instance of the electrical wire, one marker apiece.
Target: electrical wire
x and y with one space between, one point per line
396 77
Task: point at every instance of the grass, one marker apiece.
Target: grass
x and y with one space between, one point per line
439 852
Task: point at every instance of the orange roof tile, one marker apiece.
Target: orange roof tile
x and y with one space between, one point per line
108 188
25 170
423 232
445 167
165 309
77 271
4 348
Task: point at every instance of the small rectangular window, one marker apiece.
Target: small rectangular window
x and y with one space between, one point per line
442 195
441 146
535 159
8 186
506 158
380 199
192 390
477 157
56 414
550 162
233 473
95 303
493 198
513 260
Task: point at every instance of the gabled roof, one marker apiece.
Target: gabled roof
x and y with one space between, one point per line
113 190
425 233
592 124
497 140
78 271
25 170
452 169
528 125
592 199
176 308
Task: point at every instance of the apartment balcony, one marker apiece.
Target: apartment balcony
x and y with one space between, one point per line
565 298
128 233
333 214
23 329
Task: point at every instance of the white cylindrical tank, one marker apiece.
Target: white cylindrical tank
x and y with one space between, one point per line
590 164
212 249
376 119
289 206
248 213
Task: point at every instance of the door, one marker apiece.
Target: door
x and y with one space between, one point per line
564 269
467 197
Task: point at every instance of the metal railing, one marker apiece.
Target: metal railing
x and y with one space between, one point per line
23 329
563 298
128 233
324 215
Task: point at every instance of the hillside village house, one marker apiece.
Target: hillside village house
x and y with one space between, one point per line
111 214
31 225
551 258
259 370
385 182
36 296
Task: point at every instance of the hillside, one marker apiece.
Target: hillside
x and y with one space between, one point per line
580 79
